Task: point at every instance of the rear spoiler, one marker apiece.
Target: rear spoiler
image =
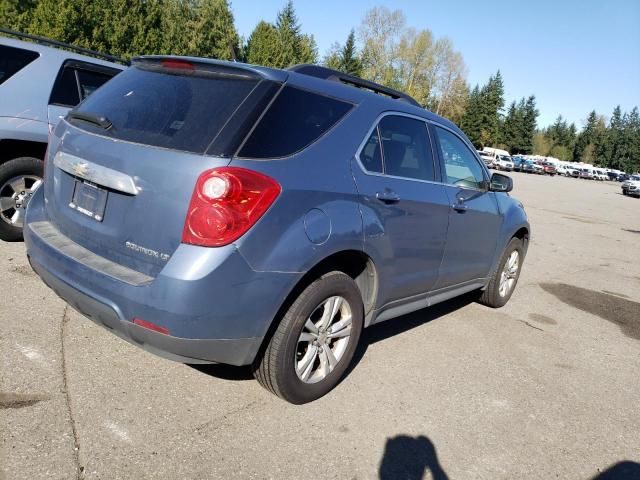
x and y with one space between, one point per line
178 65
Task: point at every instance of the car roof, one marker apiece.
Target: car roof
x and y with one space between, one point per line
331 87
55 54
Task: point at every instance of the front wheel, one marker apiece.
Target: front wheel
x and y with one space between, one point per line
19 179
504 280
314 342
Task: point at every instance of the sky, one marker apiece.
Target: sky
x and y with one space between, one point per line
574 56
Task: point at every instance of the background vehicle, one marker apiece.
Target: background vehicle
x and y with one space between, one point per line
586 174
517 162
274 231
504 163
600 174
631 186
548 168
39 83
487 158
494 153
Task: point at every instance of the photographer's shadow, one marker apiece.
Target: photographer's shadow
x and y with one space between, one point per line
408 458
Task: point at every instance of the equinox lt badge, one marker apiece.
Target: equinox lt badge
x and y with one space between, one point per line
147 251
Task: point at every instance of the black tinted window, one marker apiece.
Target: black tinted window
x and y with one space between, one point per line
65 90
460 165
406 148
371 154
12 60
181 112
294 120
90 81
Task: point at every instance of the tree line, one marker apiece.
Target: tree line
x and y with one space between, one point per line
382 48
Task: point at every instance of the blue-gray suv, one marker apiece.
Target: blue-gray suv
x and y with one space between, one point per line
219 212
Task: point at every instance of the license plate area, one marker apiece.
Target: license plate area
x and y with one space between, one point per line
89 199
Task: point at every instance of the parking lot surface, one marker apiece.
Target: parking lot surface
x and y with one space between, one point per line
546 387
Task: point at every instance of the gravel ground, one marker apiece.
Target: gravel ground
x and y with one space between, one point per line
546 387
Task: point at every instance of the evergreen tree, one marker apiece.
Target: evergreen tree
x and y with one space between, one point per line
585 138
529 125
345 58
471 122
263 46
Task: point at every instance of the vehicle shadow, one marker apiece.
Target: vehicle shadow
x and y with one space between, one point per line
410 458
373 334
399 325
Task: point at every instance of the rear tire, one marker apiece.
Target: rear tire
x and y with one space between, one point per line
18 179
314 342
504 280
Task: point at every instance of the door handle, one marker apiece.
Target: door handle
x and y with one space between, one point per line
460 206
388 197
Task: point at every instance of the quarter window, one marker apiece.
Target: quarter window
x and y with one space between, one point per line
461 167
406 148
12 60
295 120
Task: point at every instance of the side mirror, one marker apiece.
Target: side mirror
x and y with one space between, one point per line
500 183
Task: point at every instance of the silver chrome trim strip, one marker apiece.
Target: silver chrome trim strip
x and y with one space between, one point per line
95 173
50 235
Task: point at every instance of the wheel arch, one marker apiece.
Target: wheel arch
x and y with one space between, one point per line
11 149
355 263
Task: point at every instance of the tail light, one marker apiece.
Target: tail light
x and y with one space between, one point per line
226 202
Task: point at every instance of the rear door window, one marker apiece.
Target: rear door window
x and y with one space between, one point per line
406 148
295 120
89 81
77 80
65 90
162 108
12 60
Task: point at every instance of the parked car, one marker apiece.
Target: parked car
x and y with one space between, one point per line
517 162
255 236
529 166
548 168
631 187
568 171
487 159
613 176
599 174
504 163
586 174
39 83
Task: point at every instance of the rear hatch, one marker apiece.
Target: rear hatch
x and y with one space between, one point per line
127 159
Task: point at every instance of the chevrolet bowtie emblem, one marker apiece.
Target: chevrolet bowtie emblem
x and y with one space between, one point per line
80 169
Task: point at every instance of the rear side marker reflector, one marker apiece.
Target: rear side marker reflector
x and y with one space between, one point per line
151 326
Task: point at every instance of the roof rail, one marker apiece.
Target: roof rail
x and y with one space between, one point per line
56 43
337 76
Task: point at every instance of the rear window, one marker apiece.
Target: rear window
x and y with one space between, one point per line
180 112
295 119
12 60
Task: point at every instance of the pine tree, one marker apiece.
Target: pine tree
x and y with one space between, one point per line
471 122
263 46
345 58
529 125
351 62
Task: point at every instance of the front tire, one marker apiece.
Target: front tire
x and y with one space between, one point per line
19 179
314 342
504 280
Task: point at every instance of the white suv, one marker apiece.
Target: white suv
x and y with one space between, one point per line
631 187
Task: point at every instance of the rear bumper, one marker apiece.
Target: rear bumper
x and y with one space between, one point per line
231 351
216 308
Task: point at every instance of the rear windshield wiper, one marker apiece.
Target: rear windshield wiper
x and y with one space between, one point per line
98 120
